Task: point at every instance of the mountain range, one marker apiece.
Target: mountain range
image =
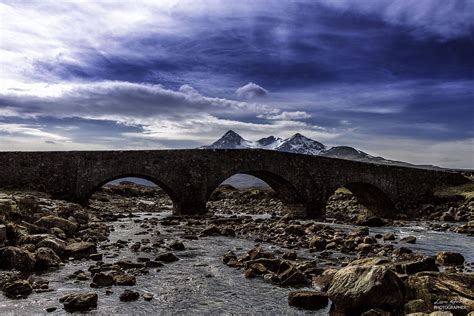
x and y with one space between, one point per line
301 144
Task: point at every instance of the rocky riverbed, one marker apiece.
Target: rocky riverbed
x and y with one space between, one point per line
127 253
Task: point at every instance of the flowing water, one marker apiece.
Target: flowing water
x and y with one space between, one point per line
199 283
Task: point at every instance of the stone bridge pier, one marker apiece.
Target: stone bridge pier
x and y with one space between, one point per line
304 183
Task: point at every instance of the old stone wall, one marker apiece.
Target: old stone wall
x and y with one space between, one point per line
190 176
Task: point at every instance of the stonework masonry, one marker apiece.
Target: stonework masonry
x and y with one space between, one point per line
189 177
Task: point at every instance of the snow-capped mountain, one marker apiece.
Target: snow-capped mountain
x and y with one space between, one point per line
302 145
295 144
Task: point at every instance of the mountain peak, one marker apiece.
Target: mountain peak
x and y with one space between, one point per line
231 133
230 140
301 144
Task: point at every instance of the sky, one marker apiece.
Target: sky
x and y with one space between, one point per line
392 78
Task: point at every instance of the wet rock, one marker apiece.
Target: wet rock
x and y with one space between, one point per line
56 244
415 266
96 256
417 306
227 231
401 251
290 255
436 286
80 250
370 261
128 296
311 300
51 309
17 258
376 312
229 255
258 252
317 243
293 277
409 239
147 296
125 279
3 235
447 258
297 230
65 225
166 257
324 280
101 279
79 301
358 288
153 264
372 221
17 289
389 236
211 230
177 245
127 264
46 258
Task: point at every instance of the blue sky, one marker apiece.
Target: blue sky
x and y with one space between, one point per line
393 78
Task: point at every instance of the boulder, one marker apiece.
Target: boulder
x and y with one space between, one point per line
409 239
258 252
79 301
79 250
54 243
293 277
17 289
434 287
125 279
297 230
177 245
317 243
447 258
211 230
68 227
389 236
415 266
128 296
311 300
17 258
46 258
417 306
101 279
166 257
356 288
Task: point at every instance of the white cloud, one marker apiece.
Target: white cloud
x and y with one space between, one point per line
26 130
251 90
287 115
117 100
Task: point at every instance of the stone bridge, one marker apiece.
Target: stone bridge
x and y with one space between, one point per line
189 177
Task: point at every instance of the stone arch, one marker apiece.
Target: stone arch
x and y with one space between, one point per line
284 189
371 197
170 192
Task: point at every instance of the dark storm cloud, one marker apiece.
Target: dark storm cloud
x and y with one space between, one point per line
372 68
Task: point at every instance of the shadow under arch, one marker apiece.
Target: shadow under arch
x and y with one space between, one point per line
372 198
173 196
283 188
